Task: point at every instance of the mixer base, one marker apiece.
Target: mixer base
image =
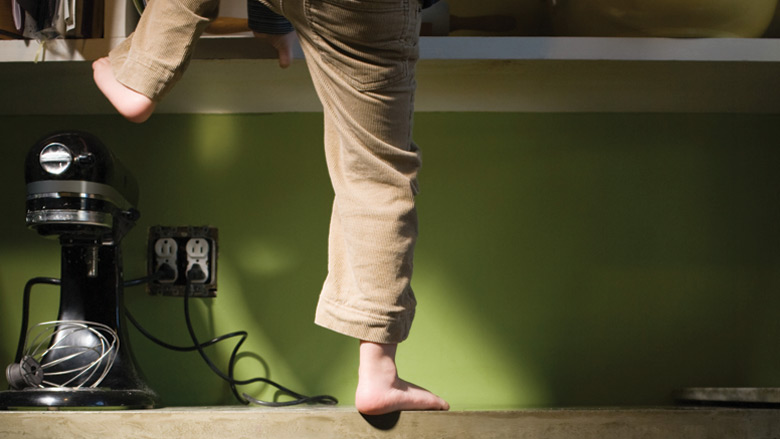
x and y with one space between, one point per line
72 398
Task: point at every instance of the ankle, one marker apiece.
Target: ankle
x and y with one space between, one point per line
377 359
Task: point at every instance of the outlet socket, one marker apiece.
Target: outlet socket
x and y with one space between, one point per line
197 250
165 256
190 253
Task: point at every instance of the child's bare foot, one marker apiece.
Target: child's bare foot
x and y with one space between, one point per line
381 391
134 106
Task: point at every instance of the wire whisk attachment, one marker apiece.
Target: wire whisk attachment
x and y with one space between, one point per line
65 353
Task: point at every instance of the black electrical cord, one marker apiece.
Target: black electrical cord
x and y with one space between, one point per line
159 342
229 377
147 334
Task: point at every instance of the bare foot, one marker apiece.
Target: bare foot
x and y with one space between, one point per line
134 106
381 391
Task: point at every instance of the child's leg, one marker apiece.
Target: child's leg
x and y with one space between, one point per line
132 105
381 391
144 67
362 66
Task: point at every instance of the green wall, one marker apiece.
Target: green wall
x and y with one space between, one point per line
564 259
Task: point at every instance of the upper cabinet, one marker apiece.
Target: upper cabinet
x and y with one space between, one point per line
465 72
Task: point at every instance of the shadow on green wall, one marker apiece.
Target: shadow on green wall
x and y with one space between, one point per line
563 260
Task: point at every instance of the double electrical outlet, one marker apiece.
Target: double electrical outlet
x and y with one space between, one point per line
182 258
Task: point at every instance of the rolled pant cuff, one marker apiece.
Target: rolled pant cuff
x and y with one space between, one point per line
141 76
362 326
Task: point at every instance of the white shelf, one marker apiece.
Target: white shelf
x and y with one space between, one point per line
601 49
457 48
540 74
59 50
548 49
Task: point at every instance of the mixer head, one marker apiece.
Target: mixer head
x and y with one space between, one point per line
78 190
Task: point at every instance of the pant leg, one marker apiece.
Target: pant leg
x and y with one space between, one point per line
361 55
152 59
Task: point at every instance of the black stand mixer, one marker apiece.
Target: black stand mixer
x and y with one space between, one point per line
78 192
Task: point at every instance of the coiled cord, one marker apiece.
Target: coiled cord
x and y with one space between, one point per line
228 377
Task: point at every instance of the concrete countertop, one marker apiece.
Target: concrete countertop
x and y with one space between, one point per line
345 422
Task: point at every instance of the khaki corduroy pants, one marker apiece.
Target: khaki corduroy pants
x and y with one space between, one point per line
361 55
